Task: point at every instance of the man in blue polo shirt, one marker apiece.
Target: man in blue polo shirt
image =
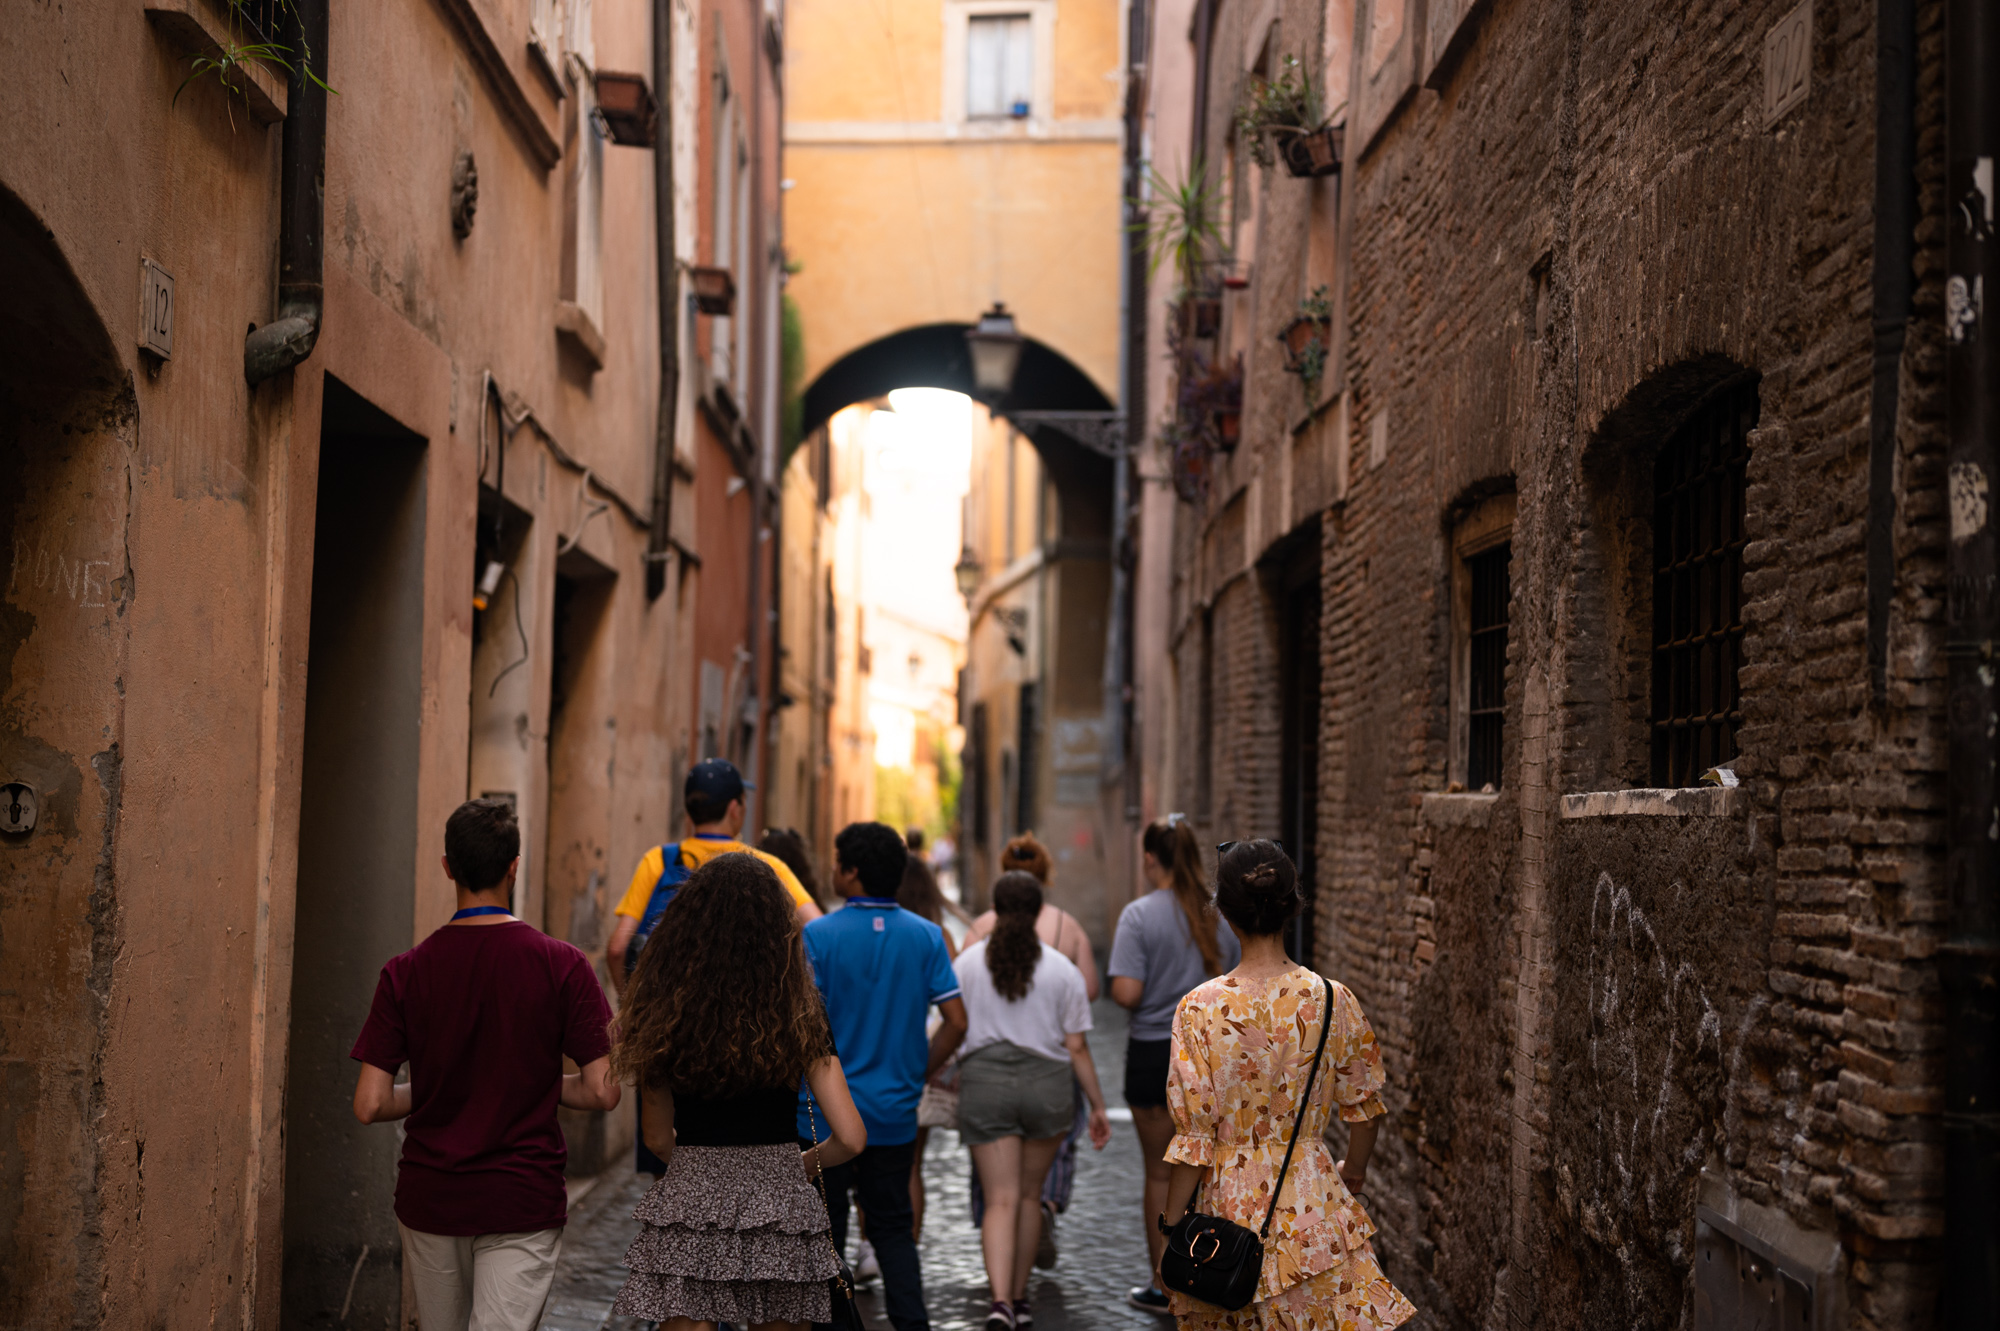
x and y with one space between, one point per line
880 968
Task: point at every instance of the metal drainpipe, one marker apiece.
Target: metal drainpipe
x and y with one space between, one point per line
1117 762
1971 1267
289 338
753 674
1895 279
659 543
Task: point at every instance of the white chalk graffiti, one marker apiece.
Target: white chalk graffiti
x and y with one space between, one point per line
1649 1020
80 581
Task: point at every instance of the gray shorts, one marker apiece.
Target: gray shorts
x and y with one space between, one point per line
1005 1091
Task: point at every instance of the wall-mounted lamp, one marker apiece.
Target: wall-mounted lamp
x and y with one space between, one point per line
995 345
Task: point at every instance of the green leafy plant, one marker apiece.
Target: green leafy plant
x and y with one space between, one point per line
791 373
1180 223
1288 105
1306 338
233 55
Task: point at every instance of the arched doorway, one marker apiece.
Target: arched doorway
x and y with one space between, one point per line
67 425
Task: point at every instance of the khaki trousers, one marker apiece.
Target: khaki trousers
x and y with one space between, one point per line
487 1282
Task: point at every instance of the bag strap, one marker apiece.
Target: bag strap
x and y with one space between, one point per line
819 1186
1305 1102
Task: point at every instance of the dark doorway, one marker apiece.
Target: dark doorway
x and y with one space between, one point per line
357 858
1028 765
1299 747
574 889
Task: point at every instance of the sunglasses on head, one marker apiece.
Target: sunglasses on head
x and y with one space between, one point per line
1222 847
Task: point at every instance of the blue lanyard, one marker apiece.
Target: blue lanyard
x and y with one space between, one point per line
471 911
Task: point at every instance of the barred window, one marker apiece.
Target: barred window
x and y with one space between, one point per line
1698 497
1482 542
1487 673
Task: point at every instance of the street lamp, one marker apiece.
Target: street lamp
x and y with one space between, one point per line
968 572
996 353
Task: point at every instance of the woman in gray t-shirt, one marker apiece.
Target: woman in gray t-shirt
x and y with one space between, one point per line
1169 940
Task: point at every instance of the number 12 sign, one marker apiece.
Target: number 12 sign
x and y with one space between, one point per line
1787 63
156 309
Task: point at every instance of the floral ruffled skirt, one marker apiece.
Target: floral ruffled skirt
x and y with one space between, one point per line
730 1234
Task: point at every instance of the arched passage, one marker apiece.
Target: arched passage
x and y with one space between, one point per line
934 356
1031 694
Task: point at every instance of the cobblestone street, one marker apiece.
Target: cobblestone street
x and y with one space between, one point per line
1102 1251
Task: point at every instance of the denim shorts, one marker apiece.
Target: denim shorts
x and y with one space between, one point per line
1005 1091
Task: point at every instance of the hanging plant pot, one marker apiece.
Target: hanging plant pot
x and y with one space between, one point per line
714 290
1200 316
1228 427
1314 152
1190 466
628 107
1300 338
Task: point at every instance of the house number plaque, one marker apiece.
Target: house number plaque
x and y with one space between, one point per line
156 309
1787 63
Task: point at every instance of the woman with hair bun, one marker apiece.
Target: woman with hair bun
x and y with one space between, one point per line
1026 1018
1242 1052
1169 940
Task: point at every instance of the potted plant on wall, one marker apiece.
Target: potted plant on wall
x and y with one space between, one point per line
1285 118
1211 402
1187 459
1308 338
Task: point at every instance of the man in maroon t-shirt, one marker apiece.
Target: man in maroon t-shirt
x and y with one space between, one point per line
483 1011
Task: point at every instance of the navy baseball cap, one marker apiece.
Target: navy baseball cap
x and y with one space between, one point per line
718 779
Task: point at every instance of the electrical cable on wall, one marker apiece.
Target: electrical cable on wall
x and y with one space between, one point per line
520 628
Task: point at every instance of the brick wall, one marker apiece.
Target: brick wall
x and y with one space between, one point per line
1595 1022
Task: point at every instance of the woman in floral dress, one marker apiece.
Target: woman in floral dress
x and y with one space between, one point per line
1242 1049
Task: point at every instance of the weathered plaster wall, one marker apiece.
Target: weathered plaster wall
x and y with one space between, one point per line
144 1049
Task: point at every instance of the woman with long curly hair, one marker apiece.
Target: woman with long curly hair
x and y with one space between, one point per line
1169 940
1242 1059
1026 1017
721 1021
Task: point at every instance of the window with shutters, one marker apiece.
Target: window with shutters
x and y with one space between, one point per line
999 66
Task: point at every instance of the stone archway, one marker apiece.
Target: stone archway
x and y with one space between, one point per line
67 426
934 356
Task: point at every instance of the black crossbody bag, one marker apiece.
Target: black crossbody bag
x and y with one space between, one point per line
1219 1261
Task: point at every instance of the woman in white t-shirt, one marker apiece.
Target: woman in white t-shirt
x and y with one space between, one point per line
1027 1014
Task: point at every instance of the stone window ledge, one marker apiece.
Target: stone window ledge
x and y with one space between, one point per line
1691 802
1470 809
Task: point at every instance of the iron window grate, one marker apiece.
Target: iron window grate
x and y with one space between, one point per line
1698 496
1487 627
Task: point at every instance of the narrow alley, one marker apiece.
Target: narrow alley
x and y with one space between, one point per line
575 566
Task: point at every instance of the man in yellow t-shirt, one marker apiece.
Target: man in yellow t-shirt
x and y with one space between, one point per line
713 798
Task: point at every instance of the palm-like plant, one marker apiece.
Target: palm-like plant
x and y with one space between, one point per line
1180 222
233 55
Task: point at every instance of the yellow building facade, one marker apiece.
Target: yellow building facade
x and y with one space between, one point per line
942 156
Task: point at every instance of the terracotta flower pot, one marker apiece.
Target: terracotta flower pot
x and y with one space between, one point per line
1201 316
1314 154
1301 333
1228 426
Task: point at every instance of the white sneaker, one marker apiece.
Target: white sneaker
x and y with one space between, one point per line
866 1268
